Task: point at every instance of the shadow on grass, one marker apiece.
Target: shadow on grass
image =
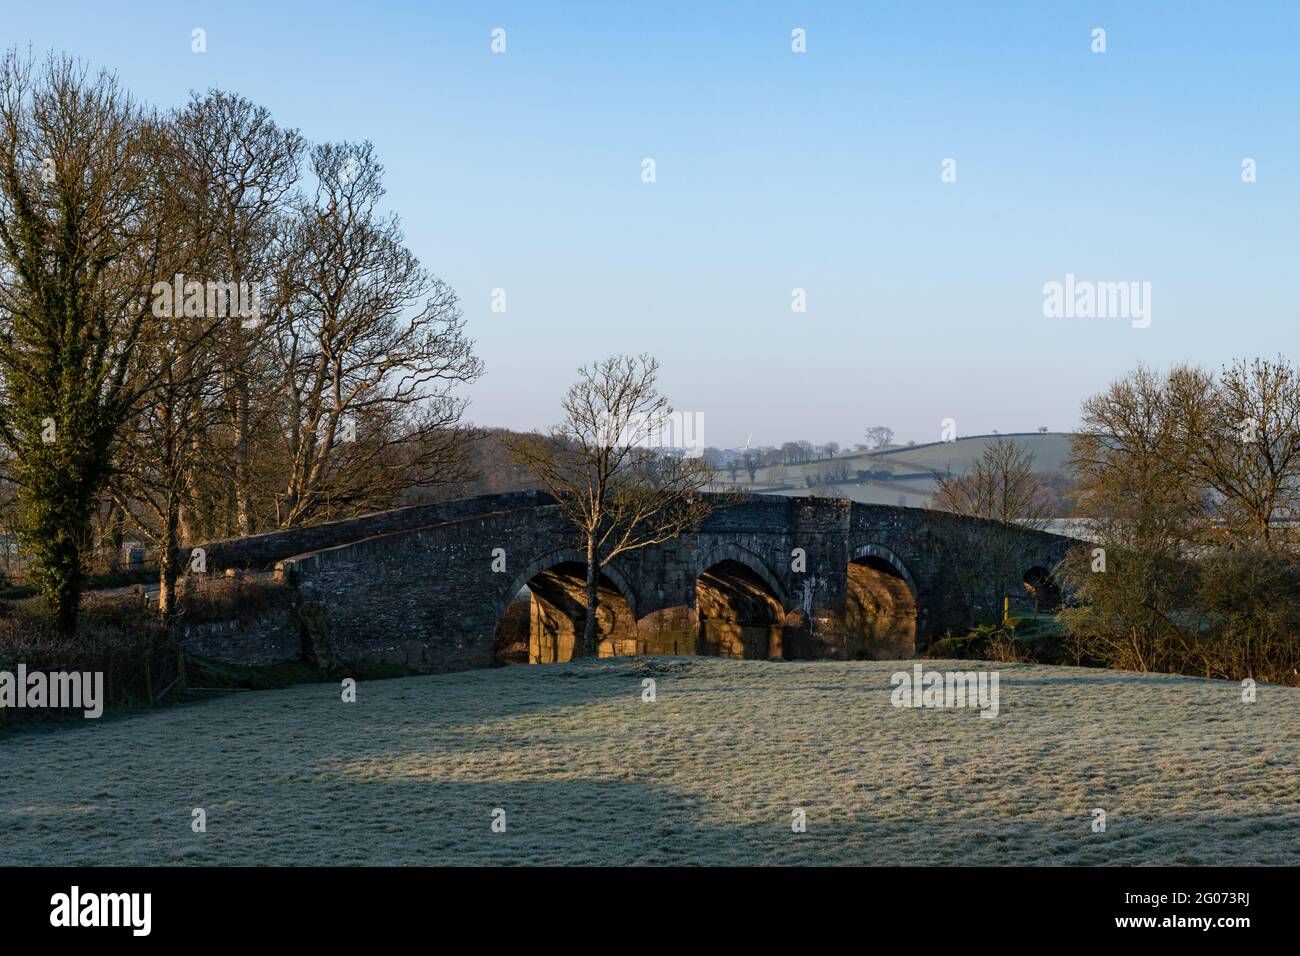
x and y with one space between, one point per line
630 823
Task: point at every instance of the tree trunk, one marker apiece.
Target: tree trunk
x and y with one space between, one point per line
67 609
593 597
114 529
66 593
168 559
193 522
243 480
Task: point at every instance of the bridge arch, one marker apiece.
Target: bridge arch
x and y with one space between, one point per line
729 551
1044 593
873 550
882 611
564 556
542 615
740 604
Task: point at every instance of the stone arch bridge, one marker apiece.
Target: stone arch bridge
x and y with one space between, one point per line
762 576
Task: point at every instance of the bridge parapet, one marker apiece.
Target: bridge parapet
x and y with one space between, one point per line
260 552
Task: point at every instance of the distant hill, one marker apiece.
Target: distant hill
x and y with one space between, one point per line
861 476
893 475
1050 450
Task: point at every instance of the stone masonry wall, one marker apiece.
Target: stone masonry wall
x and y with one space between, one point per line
265 641
431 596
262 551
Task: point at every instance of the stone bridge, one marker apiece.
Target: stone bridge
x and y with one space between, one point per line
501 579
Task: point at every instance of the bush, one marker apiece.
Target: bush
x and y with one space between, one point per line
141 665
1229 612
1249 616
1024 640
201 672
970 646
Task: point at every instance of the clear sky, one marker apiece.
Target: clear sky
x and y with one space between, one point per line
776 170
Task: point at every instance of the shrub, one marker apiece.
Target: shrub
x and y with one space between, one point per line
141 665
1229 612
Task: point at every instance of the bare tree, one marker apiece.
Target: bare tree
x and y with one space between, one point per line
879 435
1144 511
1001 489
371 345
1187 481
155 458
127 374
242 171
1240 438
1000 486
1130 459
223 168
619 493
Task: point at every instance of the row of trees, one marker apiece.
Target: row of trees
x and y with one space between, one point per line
1190 481
799 452
208 327
789 453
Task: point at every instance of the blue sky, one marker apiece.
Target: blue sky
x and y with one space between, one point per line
777 170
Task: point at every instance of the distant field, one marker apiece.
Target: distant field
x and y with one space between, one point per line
1050 452
876 493
707 774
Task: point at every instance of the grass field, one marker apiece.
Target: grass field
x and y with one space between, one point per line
1050 452
709 773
